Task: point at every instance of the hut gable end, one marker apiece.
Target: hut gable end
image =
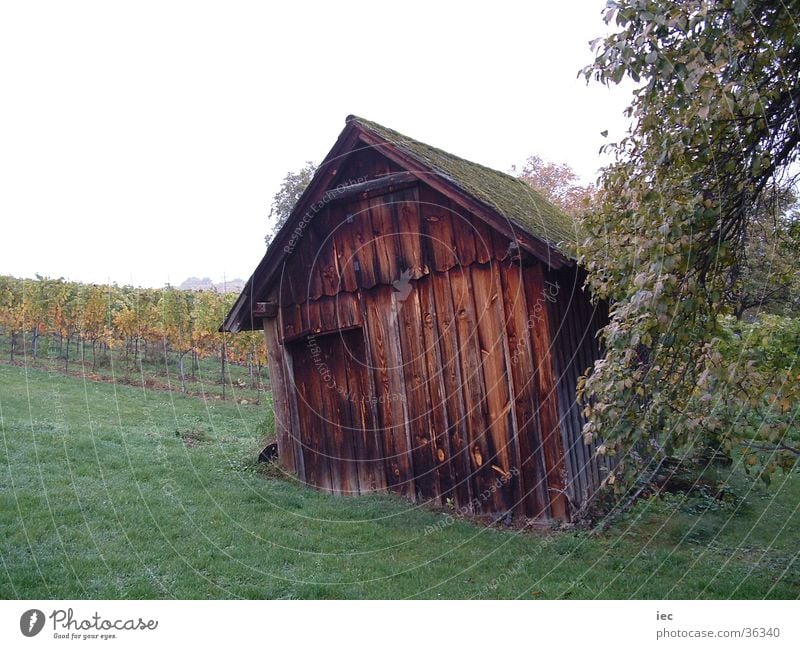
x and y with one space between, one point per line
426 329
369 157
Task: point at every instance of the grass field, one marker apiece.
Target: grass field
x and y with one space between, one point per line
113 491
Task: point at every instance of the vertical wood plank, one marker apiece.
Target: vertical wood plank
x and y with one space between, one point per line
552 445
347 310
326 415
280 402
531 492
326 311
295 276
313 432
325 226
342 415
363 246
463 235
367 438
382 330
418 402
301 265
474 393
344 247
284 290
291 321
294 415
405 207
438 237
435 371
385 239
311 316
484 244
450 359
490 319
315 243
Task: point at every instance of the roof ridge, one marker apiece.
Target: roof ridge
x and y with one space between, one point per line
517 201
368 123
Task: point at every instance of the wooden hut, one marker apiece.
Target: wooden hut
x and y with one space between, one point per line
425 326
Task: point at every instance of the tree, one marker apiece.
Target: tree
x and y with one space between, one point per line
292 187
12 309
769 280
557 182
176 310
36 304
65 314
93 317
713 137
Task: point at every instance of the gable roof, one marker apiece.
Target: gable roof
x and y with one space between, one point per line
507 203
510 197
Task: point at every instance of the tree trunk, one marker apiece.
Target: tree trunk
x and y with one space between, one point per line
66 356
13 335
222 363
180 369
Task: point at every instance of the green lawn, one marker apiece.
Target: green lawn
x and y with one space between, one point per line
109 491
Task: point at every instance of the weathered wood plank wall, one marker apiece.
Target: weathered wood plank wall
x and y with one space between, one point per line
574 324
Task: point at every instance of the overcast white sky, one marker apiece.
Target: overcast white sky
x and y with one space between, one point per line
142 142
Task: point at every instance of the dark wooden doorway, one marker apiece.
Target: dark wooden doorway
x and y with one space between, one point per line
341 447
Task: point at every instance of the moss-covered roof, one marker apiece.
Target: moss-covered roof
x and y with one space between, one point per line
508 196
